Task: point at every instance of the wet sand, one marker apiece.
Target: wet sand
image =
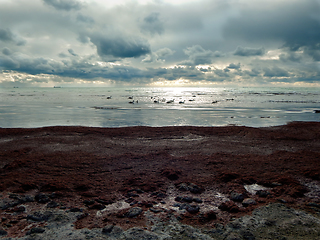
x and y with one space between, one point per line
103 172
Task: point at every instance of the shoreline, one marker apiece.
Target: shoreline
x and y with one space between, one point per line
203 177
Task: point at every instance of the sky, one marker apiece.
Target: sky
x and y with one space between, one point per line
159 43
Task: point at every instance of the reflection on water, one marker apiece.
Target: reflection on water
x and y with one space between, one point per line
110 107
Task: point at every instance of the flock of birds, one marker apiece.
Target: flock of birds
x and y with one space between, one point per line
163 100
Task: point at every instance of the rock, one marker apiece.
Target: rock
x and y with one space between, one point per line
247 235
234 236
183 187
42 198
39 217
263 193
88 202
156 210
136 233
312 204
82 215
98 206
197 200
133 212
36 230
8 203
178 199
248 201
105 202
193 209
107 229
171 174
146 204
161 195
3 232
229 207
195 189
236 197
184 206
19 209
52 204
75 209
208 216
187 199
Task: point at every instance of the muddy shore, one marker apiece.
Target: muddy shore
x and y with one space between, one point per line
114 181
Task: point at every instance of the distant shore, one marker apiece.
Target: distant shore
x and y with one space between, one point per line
204 177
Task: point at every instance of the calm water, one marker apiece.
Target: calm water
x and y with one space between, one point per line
110 107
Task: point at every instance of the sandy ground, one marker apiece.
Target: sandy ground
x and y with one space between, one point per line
103 172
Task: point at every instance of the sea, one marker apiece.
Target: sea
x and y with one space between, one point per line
157 106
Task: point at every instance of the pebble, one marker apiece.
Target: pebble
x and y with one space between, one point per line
52 204
156 210
42 198
237 197
197 200
133 212
3 232
88 202
248 201
263 193
36 230
193 209
187 199
107 229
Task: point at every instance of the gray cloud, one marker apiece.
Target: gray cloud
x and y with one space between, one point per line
6 51
275 72
295 23
234 66
152 24
158 56
199 56
72 52
313 51
7 36
290 57
66 5
245 51
120 47
147 40
85 19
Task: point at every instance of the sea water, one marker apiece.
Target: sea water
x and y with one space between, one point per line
151 106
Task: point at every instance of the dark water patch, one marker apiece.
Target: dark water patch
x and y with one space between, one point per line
292 101
105 108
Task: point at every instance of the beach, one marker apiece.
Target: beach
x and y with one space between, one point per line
112 181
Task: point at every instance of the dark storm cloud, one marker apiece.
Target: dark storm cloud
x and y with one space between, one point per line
7 36
66 5
205 39
295 23
245 51
120 47
152 24
75 69
275 72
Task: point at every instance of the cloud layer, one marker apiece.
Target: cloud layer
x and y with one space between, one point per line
146 42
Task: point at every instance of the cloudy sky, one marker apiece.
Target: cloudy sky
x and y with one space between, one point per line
159 42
